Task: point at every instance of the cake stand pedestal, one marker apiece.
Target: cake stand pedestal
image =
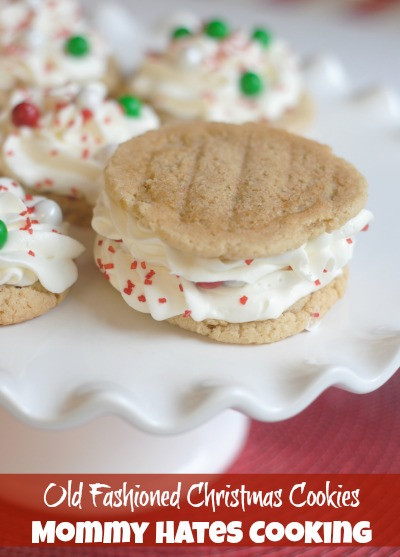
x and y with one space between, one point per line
110 445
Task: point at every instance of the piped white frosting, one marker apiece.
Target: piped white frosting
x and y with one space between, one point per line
155 278
36 248
78 130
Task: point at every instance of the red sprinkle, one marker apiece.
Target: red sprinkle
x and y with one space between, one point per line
248 261
109 266
148 281
349 240
316 315
134 265
53 153
143 264
317 282
180 287
111 249
106 276
150 274
187 313
85 154
141 298
32 253
365 228
87 114
28 197
100 243
99 263
325 271
162 300
243 300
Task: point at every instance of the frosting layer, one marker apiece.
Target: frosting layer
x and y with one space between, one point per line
154 278
36 247
78 130
199 77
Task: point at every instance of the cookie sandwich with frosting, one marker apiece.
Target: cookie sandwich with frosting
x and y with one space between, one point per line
209 71
47 43
56 141
240 233
36 257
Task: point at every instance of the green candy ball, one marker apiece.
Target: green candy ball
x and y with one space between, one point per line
131 106
251 84
3 233
263 36
217 29
181 33
77 45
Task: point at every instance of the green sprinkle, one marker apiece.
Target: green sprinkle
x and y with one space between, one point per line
3 233
217 29
132 106
77 46
251 84
263 36
181 33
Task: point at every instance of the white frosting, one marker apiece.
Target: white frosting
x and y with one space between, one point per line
32 44
198 77
252 290
67 152
36 248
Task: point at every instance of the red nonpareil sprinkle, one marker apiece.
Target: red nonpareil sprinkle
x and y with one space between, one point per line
109 266
100 243
111 249
148 281
248 261
365 228
129 287
325 271
87 115
315 315
134 265
349 240
141 298
317 282
32 253
180 287
150 274
162 300
85 154
143 264
243 300
186 313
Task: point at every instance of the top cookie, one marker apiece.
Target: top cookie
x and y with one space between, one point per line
229 191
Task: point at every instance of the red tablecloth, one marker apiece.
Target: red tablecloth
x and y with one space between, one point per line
340 432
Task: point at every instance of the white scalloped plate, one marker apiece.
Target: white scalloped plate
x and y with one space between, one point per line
94 355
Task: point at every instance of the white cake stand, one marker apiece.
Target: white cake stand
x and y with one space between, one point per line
74 381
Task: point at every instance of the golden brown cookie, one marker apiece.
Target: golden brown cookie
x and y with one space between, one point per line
235 192
19 304
292 321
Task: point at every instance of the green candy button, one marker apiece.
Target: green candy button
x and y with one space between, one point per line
217 29
132 106
181 33
77 45
3 233
263 36
251 84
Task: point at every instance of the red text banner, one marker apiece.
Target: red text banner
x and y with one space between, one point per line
189 510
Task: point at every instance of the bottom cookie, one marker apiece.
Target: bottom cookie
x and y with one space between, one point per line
19 304
294 320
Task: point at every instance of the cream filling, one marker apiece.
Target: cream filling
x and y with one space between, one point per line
155 278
